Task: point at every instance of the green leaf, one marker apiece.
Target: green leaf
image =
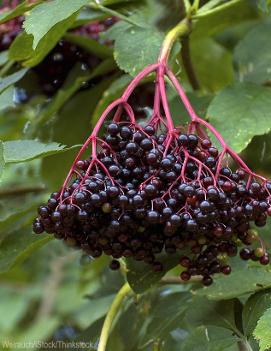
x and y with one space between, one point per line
2 160
253 61
136 48
179 114
45 16
17 11
7 98
215 313
262 331
11 79
141 277
39 330
240 112
170 310
17 216
26 150
12 308
18 246
221 18
207 53
90 311
209 339
254 308
238 284
83 105
20 195
21 48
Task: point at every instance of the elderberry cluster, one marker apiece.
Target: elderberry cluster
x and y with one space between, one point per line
146 194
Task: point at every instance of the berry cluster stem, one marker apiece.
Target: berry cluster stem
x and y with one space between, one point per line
113 310
182 29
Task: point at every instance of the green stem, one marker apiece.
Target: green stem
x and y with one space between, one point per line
217 9
211 4
156 346
187 6
6 68
244 346
195 6
113 310
114 14
182 29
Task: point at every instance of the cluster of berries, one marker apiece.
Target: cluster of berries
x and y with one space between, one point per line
146 194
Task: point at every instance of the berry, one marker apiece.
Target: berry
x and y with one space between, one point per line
245 254
264 260
185 276
114 265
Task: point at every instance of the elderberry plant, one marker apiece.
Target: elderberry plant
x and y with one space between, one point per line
164 106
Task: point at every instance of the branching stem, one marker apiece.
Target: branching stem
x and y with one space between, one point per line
217 9
182 29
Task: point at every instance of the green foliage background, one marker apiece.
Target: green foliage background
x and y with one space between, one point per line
50 292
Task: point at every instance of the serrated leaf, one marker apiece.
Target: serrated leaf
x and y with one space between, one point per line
26 150
21 48
136 48
254 308
240 112
262 331
238 284
18 246
11 79
7 98
253 61
45 16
